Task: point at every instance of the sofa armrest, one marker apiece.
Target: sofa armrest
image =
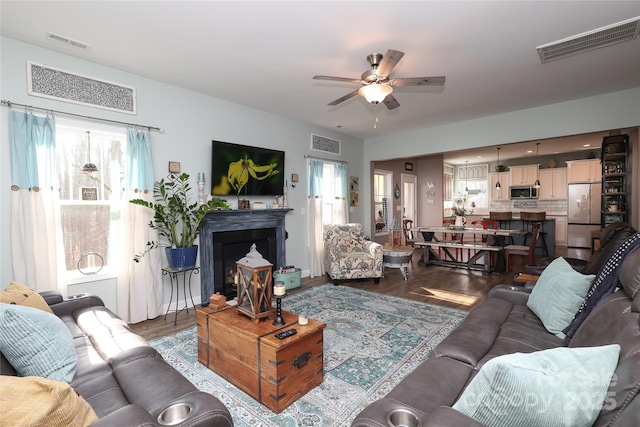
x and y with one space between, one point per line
75 302
516 295
444 416
377 415
130 415
52 297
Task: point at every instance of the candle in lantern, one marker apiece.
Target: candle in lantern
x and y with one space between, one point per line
279 289
200 176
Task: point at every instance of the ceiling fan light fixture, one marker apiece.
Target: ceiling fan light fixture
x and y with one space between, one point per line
89 168
375 92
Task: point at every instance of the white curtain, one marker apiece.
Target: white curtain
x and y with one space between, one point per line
341 204
319 197
36 242
314 207
140 291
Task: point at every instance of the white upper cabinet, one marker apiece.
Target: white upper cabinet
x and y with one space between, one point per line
523 175
584 171
505 182
553 184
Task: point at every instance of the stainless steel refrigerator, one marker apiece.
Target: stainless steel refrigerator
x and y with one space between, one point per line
583 212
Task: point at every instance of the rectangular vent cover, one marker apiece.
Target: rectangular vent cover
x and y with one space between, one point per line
324 144
68 41
601 37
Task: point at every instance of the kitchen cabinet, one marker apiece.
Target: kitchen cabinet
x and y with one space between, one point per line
523 175
505 182
553 184
584 171
561 230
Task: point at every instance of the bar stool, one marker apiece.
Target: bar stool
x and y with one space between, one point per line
524 250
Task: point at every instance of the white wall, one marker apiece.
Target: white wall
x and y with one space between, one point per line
190 121
616 110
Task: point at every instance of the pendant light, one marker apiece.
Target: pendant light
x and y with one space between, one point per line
466 176
498 186
89 167
537 183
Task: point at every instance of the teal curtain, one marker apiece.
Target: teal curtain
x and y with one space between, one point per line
37 251
140 167
341 180
32 144
316 168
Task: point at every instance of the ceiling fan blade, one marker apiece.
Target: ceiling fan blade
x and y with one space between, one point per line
344 98
391 102
389 60
338 79
418 81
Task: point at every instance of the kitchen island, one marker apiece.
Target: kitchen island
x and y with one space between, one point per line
547 237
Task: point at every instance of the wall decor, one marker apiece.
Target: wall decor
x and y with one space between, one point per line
408 166
353 199
53 83
354 183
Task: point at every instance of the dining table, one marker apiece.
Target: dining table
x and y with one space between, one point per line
482 251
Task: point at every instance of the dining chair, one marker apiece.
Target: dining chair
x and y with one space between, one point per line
522 250
409 234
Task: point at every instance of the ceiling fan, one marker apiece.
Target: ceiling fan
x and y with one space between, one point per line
376 84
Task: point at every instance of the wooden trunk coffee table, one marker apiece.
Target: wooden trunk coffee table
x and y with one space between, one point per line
274 372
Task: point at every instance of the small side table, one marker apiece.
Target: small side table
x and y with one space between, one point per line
174 276
397 257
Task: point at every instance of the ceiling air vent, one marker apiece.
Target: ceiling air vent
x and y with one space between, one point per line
601 37
68 41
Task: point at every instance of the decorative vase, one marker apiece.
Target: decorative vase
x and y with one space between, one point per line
460 221
180 258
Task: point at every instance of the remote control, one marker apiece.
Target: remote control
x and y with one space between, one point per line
286 334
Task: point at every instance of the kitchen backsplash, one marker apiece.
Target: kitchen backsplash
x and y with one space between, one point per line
558 207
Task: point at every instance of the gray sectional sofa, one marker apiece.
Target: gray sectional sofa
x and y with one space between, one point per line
504 325
123 378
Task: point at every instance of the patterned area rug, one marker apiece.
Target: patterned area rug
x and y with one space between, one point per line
371 342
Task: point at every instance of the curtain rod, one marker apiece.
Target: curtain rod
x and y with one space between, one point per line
306 156
49 110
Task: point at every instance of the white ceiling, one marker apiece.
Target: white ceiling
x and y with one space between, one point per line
264 54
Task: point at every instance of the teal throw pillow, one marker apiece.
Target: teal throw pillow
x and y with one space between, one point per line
558 294
558 387
37 343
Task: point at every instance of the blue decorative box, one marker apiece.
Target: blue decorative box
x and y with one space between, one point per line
291 280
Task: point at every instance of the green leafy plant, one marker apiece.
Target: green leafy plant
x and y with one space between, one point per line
176 217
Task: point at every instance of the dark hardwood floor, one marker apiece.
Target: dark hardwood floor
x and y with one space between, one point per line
451 287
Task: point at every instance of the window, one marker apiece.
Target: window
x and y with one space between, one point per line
475 178
89 202
381 199
330 193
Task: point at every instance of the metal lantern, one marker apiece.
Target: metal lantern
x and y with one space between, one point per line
254 285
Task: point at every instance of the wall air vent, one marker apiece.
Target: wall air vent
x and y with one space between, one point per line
324 144
601 37
68 41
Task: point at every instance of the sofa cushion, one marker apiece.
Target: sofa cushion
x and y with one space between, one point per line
36 401
37 343
561 386
558 294
17 293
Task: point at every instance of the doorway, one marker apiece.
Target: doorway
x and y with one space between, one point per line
409 197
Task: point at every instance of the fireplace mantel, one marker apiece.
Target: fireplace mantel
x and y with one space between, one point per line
233 220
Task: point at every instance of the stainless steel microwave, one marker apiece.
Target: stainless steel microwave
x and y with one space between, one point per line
523 192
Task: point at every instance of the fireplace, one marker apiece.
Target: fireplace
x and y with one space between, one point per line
230 246
226 236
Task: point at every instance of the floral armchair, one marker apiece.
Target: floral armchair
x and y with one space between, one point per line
347 255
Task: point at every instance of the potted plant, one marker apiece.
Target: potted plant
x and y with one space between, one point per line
177 219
